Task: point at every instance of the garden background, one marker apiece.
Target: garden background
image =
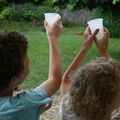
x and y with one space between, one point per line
26 16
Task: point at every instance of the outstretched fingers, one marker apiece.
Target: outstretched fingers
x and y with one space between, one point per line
59 22
89 34
106 33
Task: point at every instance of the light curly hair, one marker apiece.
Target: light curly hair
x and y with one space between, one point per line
95 87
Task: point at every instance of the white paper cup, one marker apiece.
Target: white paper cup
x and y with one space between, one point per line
97 24
51 18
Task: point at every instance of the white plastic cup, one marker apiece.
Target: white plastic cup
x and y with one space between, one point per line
97 24
51 18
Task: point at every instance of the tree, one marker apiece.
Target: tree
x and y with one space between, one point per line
115 1
112 6
25 1
3 3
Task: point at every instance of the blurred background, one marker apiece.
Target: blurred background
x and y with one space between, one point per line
73 12
26 17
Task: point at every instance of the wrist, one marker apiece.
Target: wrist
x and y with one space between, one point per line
53 45
52 39
104 53
52 35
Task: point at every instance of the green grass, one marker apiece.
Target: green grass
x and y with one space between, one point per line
70 44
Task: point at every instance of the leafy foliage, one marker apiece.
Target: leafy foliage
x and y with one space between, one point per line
111 22
5 13
114 28
29 12
106 5
107 9
115 1
3 3
25 14
33 10
25 1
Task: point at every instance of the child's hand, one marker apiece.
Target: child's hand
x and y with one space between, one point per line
54 31
103 45
88 38
45 107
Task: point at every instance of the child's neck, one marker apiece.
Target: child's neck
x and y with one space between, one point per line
6 92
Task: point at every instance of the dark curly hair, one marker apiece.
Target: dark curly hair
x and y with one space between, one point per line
13 47
95 87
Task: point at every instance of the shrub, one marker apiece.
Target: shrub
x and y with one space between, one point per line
25 13
39 12
5 13
29 12
21 16
16 16
3 4
114 28
111 22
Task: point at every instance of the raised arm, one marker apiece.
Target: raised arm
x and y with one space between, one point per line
55 72
103 45
88 39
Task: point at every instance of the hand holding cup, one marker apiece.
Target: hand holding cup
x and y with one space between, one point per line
53 24
97 24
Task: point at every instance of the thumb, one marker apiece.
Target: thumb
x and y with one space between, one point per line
106 33
45 23
92 36
95 33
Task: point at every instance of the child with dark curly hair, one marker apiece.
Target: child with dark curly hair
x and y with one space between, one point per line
14 67
92 92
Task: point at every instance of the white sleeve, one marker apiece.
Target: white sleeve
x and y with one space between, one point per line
65 112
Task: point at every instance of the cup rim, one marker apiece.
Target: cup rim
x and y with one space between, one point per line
50 14
94 20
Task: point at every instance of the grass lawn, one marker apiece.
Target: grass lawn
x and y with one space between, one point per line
39 50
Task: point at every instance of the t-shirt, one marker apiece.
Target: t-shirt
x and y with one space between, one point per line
65 111
25 105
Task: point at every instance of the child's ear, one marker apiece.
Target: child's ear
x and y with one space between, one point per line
13 82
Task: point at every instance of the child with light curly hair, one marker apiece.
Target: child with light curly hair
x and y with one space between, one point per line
92 92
